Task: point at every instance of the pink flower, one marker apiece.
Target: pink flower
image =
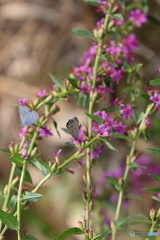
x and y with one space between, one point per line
25 154
41 93
127 111
45 132
22 101
56 154
24 132
138 17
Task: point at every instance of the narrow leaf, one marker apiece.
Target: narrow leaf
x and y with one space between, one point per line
13 202
83 33
103 234
156 198
68 233
92 2
108 59
4 150
136 219
130 195
9 220
31 197
137 67
16 158
118 135
152 189
109 145
66 130
27 176
111 109
154 176
154 19
55 125
114 182
58 82
140 117
95 118
41 166
73 82
154 150
30 237
155 82
117 16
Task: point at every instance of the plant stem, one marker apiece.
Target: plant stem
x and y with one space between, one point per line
124 181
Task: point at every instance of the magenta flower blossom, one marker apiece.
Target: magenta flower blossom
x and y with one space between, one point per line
71 171
45 132
22 101
127 111
101 114
116 102
97 151
156 99
25 145
56 154
148 122
24 132
119 127
41 93
85 88
25 154
138 17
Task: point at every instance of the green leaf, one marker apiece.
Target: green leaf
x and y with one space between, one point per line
68 233
103 234
66 130
134 166
109 145
31 197
121 222
154 150
30 237
111 109
156 198
155 82
58 82
152 189
73 82
27 176
127 68
55 125
154 176
153 19
41 166
12 202
133 6
16 158
4 150
117 16
130 195
92 2
146 97
140 117
136 219
9 220
118 135
108 59
83 100
83 33
137 67
115 182
95 118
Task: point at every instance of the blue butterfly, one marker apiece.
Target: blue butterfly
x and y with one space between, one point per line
28 117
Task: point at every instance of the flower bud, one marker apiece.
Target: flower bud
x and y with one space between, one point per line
54 109
152 213
34 151
132 133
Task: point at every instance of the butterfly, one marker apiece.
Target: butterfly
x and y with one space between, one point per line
27 116
73 127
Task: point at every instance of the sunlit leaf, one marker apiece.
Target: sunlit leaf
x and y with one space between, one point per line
58 82
16 158
155 82
117 16
95 118
115 182
108 144
31 197
27 176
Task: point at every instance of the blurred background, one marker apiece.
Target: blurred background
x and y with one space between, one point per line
36 39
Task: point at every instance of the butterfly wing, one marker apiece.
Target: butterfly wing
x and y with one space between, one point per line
73 127
27 116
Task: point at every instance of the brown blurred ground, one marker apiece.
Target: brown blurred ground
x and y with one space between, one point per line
36 39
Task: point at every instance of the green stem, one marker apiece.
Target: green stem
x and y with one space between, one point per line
124 181
19 198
